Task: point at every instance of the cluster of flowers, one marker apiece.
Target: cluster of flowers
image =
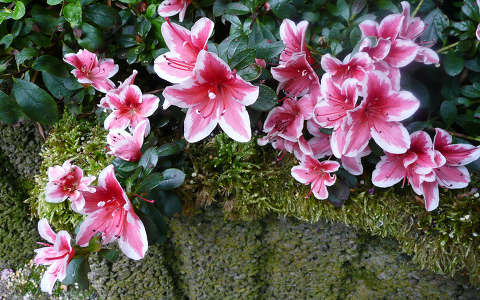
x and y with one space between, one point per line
332 103
107 207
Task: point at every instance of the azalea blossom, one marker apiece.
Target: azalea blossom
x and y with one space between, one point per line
452 174
110 212
67 181
215 95
477 32
261 62
355 66
417 165
379 116
117 91
293 37
170 8
56 254
177 65
130 108
90 70
126 146
317 174
388 46
296 76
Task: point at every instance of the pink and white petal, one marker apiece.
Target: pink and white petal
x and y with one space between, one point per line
77 202
178 39
48 280
320 146
304 149
182 13
72 59
358 132
380 51
402 53
453 177
103 85
210 68
186 94
133 241
430 195
149 105
139 133
201 32
55 173
378 86
329 166
62 242
331 64
319 189
460 154
91 225
307 104
170 73
196 127
302 174
236 122
45 231
388 172
108 67
313 128
338 140
392 137
427 56
242 91
115 120
55 193
390 26
353 165
369 28
442 138
400 106
477 32
170 8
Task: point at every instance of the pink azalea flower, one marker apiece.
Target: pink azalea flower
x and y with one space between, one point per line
317 174
215 95
125 146
293 36
389 47
452 174
379 116
355 66
67 181
57 254
261 62
110 212
117 91
296 77
130 108
170 8
90 70
392 73
177 65
286 121
477 32
417 165
412 28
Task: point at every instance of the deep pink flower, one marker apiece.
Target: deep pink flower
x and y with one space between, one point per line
130 108
177 65
117 91
452 174
110 212
126 146
296 76
215 95
317 174
417 165
286 121
293 37
90 70
67 181
355 66
389 47
170 8
57 254
379 116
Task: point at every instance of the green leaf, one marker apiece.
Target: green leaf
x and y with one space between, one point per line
282 8
56 86
170 204
267 99
51 65
171 179
77 271
453 64
143 26
37 104
236 8
24 55
9 110
54 2
109 254
343 9
470 91
219 8
267 50
242 59
92 38
73 13
448 112
102 15
435 24
7 40
338 193
251 72
149 159
19 10
155 226
169 149
45 19
150 182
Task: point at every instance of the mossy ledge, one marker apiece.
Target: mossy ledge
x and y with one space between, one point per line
250 183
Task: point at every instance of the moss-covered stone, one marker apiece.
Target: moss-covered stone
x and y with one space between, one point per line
80 140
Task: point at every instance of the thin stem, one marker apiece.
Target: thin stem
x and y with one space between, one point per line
448 47
417 8
464 136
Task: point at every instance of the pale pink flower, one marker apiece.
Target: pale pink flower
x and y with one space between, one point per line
296 76
355 66
379 116
130 108
126 146
170 8
67 181
110 212
261 62
317 174
177 65
90 70
389 47
417 165
57 254
215 95
293 37
117 91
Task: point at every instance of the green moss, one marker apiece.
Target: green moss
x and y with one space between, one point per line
250 184
80 140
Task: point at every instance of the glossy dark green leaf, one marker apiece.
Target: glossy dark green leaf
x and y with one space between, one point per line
19 10
91 39
109 254
470 91
149 159
267 99
448 112
47 20
155 226
170 149
7 40
77 271
150 182
236 8
435 23
453 64
37 104
102 15
54 2
250 73
171 204
55 85
9 110
242 59
268 50
171 179
338 193
282 8
73 13
51 65
24 55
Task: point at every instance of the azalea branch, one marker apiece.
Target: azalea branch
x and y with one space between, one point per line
448 47
417 8
476 139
